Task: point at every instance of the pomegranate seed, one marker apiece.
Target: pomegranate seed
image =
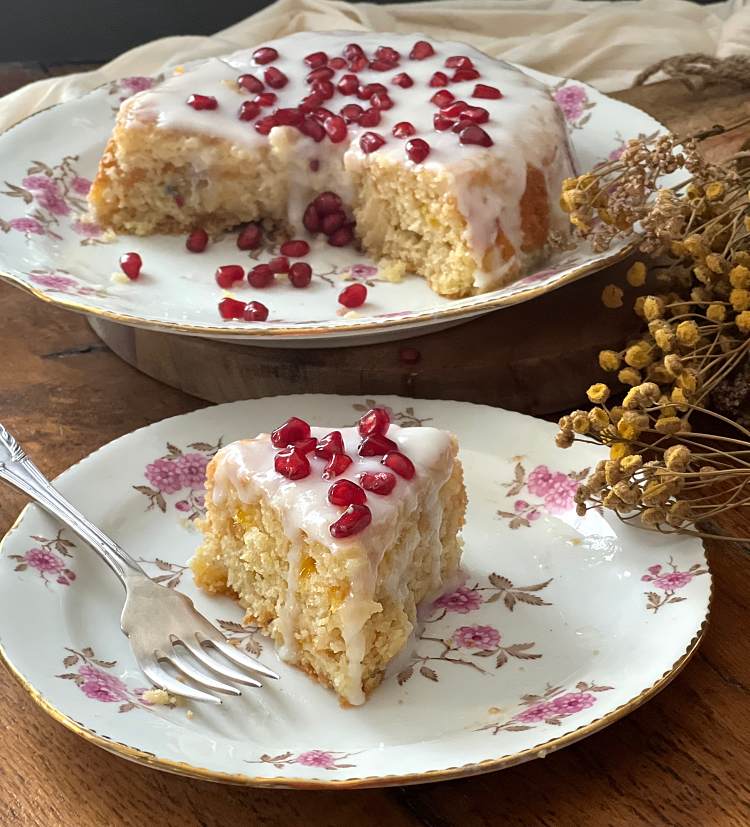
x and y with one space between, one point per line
356 518
250 237
403 80
488 92
459 62
264 55
312 129
275 78
348 85
324 89
409 355
475 114
227 275
355 295
337 63
231 308
311 219
421 50
249 111
329 445
199 102
442 98
130 264
342 236
197 241
335 126
300 274
439 79
357 64
353 50
321 113
454 109
332 222
304 446
475 135
250 83
326 203
370 117
337 464
465 74
293 430
368 90
379 482
280 264
311 102
290 463
296 248
323 73
375 421
381 100
266 99
265 125
371 141
260 276
346 492
441 123
316 59
387 53
255 312
403 129
352 112
417 150
375 445
381 65
288 117
399 463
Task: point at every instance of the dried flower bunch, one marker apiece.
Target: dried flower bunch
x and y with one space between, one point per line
691 357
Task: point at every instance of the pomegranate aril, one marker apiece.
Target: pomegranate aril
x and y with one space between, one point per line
280 264
375 421
352 112
250 83
275 78
300 274
357 64
370 141
488 92
324 73
348 85
321 113
375 445
311 102
305 446
197 241
316 59
265 125
199 102
403 129
266 99
417 150
337 464
441 123
293 430
454 109
356 518
368 90
346 492
381 65
475 114
403 80
231 308
288 117
260 276
465 74
329 445
399 463
130 264
355 295
227 275
255 312
295 248
379 482
459 62
265 54
342 236
387 53
327 202
474 135
312 129
333 222
370 117
442 98
311 219
290 463
381 100
335 126
324 89
421 50
250 237
439 79
353 50
249 111
337 63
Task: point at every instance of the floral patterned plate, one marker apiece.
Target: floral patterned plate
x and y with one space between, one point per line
49 246
562 625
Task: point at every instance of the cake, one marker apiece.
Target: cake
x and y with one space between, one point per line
444 162
331 539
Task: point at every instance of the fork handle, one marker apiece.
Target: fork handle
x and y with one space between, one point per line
17 469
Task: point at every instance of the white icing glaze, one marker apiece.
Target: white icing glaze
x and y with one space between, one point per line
247 468
525 125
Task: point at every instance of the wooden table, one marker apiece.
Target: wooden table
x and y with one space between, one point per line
682 759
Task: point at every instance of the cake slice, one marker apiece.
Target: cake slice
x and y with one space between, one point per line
331 538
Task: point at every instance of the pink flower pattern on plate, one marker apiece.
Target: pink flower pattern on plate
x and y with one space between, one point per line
56 283
322 759
462 600
48 559
27 225
476 637
670 580
555 489
573 101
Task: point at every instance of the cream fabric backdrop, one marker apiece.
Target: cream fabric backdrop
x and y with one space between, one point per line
602 43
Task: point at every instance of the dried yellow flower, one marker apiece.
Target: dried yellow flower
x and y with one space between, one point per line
687 380
615 414
687 333
741 257
716 312
577 221
715 190
656 493
742 320
677 457
564 423
564 439
638 306
631 464
716 263
668 424
706 472
639 355
614 503
580 422
618 450
629 376
612 296
653 307
679 399
569 184
679 513
740 277
653 517
693 190
740 299
636 274
629 494
659 374
568 201
598 393
695 247
598 419
581 509
673 364
609 360
677 248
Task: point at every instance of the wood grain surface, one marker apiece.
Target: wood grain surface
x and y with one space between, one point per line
682 759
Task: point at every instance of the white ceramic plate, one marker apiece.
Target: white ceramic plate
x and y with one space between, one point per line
563 626
49 247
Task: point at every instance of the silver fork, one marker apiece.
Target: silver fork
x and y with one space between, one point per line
162 624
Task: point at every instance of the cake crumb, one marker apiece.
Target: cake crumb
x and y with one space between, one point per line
119 278
352 314
189 714
393 271
494 710
159 697
179 70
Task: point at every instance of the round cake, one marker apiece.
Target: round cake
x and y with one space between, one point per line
433 157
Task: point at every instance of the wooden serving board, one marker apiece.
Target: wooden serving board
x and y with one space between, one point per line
538 357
